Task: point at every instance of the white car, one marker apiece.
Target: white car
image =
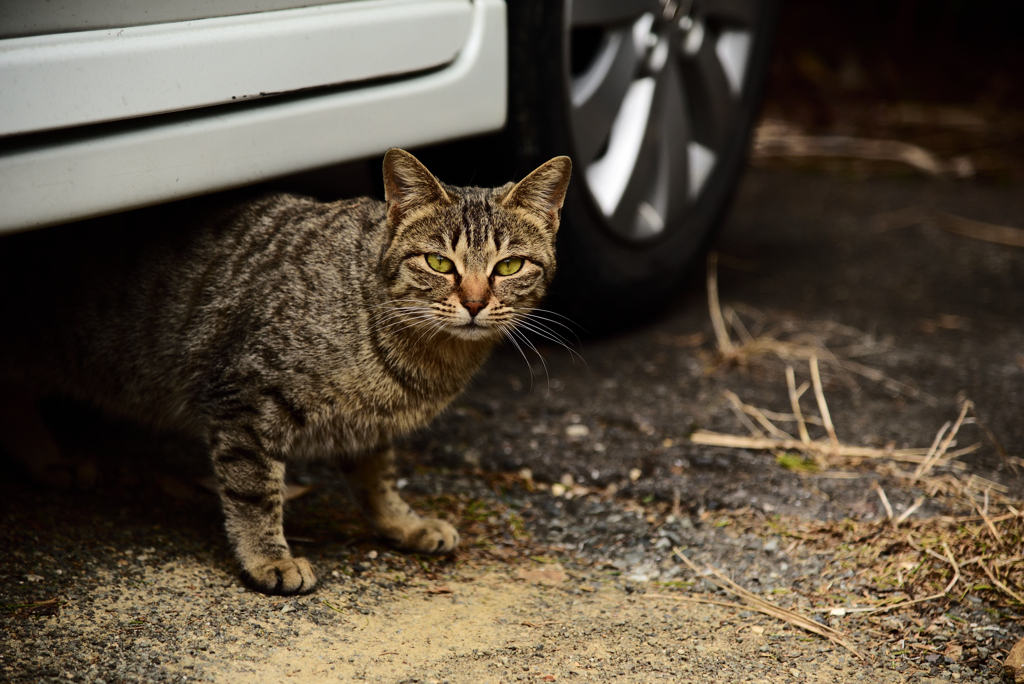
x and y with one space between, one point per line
107 105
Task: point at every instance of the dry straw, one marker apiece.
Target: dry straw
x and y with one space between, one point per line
979 552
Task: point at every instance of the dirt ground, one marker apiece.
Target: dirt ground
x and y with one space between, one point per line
567 571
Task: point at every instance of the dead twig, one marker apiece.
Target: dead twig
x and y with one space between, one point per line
794 401
935 455
819 395
774 138
770 609
906 514
717 321
951 223
885 500
690 599
945 592
848 451
1002 587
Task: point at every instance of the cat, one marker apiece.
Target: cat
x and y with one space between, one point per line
284 329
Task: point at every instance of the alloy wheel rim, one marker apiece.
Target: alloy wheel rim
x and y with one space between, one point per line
654 90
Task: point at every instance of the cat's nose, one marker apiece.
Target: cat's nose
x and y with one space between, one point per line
474 307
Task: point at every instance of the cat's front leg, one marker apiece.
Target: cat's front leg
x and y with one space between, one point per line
372 480
251 487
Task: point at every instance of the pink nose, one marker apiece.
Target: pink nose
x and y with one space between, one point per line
474 307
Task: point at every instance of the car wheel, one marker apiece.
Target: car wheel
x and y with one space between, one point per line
654 102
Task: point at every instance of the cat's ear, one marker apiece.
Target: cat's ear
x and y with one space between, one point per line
542 193
408 186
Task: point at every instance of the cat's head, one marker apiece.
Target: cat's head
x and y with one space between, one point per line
469 262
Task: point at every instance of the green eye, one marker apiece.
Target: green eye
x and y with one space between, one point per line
440 264
508 266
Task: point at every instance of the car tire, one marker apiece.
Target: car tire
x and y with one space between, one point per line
654 102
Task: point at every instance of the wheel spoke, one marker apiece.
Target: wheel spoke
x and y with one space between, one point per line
712 100
609 176
598 93
741 12
609 12
636 214
657 189
733 50
671 195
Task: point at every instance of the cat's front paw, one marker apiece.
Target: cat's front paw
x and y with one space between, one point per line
429 535
284 577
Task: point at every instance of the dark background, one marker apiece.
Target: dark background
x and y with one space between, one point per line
847 67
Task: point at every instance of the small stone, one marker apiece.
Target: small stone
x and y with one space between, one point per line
551 574
1013 666
634 474
577 431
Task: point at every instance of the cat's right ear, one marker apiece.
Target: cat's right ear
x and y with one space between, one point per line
541 194
408 186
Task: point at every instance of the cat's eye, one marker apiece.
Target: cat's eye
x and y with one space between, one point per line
440 264
507 267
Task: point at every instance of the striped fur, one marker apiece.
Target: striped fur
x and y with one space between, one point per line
280 329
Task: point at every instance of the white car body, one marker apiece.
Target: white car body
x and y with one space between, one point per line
108 105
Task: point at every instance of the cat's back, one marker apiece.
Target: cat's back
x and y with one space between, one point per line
148 295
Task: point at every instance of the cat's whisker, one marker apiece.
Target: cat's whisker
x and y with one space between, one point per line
520 327
531 313
533 309
394 319
392 326
507 332
543 331
519 333
438 326
398 311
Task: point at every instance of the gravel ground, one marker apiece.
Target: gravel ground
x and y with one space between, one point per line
133 582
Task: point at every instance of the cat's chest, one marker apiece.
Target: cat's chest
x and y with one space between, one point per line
353 427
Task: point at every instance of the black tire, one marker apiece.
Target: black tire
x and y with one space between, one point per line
617 267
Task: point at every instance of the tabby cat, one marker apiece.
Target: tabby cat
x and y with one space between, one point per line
284 329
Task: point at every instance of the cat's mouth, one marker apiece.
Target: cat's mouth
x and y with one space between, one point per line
473 330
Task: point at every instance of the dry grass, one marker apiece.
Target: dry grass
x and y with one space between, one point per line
899 562
828 452
840 348
719 579
931 559
777 138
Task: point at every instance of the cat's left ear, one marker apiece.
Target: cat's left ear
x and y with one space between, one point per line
541 194
408 186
